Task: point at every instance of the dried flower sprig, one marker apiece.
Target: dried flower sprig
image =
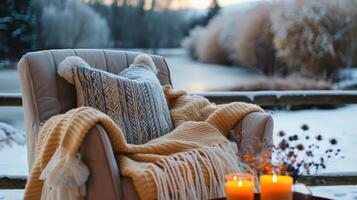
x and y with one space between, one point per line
293 155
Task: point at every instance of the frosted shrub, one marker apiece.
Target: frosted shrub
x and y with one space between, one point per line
240 36
310 36
209 49
190 43
73 24
350 7
230 31
252 42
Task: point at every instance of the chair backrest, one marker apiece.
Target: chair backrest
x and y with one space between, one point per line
45 94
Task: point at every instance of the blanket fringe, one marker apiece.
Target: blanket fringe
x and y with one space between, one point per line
182 175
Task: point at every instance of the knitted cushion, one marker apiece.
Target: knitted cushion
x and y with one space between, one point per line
134 98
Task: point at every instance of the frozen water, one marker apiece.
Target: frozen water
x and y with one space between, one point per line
198 77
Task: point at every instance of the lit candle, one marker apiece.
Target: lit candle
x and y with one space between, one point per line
274 187
239 186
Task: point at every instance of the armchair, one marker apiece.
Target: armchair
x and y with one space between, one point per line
45 94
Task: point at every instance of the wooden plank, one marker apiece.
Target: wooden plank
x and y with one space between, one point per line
330 179
283 98
12 182
10 99
263 98
18 182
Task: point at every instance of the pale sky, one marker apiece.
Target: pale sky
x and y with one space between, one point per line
198 3
206 3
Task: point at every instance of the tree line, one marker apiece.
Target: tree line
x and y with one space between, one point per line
27 25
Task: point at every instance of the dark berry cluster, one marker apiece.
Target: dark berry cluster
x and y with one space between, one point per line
294 155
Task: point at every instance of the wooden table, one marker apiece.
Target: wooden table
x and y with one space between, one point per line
296 196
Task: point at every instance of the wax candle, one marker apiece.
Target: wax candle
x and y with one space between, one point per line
275 187
239 186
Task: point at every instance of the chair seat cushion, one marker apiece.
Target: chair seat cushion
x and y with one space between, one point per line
134 98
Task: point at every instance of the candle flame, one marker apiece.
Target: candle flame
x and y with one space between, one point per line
240 183
234 178
275 178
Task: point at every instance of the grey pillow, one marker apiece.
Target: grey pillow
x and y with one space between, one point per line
134 98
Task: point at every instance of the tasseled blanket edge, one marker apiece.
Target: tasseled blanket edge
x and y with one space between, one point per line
181 176
64 177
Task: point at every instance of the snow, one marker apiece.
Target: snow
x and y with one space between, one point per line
342 192
336 123
167 52
10 135
11 194
13 161
348 78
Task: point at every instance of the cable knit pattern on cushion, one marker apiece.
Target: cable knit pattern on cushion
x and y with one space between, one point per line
133 99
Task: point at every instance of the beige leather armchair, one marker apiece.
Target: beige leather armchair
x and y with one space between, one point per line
45 94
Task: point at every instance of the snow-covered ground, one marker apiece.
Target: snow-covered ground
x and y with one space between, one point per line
336 192
11 194
336 123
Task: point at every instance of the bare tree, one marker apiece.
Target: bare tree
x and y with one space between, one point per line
155 25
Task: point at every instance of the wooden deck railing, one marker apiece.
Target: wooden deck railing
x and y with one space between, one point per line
266 98
12 182
283 98
10 99
263 98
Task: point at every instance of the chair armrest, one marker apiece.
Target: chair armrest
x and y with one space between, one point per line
253 131
97 154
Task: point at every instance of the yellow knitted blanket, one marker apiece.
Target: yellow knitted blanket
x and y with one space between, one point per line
188 163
